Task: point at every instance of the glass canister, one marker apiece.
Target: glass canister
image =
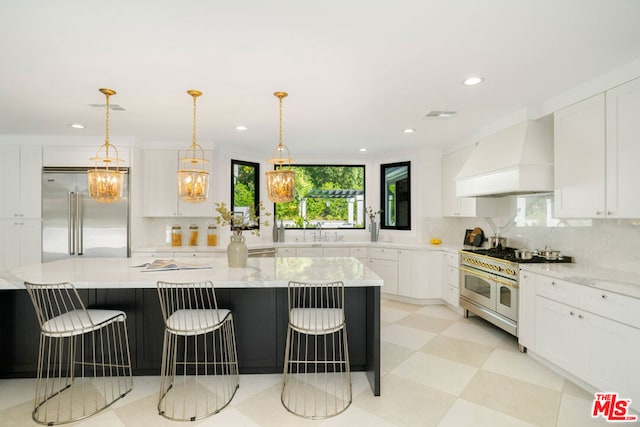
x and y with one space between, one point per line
193 235
176 235
212 235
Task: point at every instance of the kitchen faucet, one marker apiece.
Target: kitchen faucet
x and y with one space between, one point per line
319 228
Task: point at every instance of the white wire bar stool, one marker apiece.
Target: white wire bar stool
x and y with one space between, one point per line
317 378
84 363
199 374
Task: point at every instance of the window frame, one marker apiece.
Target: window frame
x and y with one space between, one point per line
325 165
383 195
256 181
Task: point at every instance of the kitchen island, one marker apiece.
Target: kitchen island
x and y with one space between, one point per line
256 295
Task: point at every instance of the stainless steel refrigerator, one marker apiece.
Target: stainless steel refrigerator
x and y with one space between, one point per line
73 224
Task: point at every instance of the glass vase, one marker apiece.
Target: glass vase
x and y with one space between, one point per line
373 229
237 252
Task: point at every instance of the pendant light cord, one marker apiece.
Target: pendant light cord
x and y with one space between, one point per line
193 139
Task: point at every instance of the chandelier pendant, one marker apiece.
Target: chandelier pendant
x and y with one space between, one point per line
193 179
106 184
281 180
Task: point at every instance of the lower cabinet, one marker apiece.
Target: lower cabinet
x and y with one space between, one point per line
593 342
20 242
451 279
388 271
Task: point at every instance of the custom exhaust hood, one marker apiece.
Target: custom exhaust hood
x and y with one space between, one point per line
516 160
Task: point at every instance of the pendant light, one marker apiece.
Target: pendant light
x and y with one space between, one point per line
106 184
280 181
193 179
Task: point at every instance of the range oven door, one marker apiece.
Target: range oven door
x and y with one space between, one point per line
507 300
478 287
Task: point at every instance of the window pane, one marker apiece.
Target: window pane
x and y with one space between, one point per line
244 182
332 196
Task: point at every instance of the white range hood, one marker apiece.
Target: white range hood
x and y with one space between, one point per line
516 160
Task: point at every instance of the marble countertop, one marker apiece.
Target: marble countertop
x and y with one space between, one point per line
260 272
621 282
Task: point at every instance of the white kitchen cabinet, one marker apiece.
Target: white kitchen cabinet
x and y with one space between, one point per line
359 252
161 187
406 285
451 278
527 310
560 337
591 333
384 262
21 189
309 251
623 150
579 153
337 252
596 152
427 275
21 243
460 206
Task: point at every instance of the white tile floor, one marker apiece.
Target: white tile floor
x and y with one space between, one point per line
438 369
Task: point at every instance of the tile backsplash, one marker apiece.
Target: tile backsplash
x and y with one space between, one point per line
605 243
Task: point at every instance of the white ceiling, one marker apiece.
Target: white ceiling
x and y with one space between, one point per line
357 72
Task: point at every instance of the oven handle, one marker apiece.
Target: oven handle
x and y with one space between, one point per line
489 277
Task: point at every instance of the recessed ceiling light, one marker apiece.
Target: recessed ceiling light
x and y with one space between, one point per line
240 127
408 130
76 126
472 81
363 149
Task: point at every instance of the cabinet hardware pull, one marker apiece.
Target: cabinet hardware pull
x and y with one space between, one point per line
571 313
598 213
580 316
609 213
604 296
553 283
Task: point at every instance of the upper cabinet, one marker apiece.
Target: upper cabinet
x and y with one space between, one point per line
21 192
161 187
623 150
596 152
460 206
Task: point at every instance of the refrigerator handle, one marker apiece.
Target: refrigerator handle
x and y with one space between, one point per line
79 224
70 225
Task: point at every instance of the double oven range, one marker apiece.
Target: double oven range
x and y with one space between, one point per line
489 284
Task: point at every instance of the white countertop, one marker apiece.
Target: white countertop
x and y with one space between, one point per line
621 282
260 272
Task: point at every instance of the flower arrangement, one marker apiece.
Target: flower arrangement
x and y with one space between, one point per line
240 221
372 215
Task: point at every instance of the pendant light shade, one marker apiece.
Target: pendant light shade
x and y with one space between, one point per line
193 179
281 182
106 184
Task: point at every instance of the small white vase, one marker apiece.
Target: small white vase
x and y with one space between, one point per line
237 252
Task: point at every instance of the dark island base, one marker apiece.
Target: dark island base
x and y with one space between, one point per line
260 317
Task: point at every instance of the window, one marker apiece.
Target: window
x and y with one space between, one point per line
331 196
245 185
395 195
537 211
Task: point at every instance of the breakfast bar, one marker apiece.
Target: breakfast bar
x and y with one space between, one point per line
256 295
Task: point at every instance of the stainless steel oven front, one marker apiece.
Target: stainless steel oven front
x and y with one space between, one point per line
490 296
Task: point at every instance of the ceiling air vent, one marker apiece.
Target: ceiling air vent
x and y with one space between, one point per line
440 114
112 107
